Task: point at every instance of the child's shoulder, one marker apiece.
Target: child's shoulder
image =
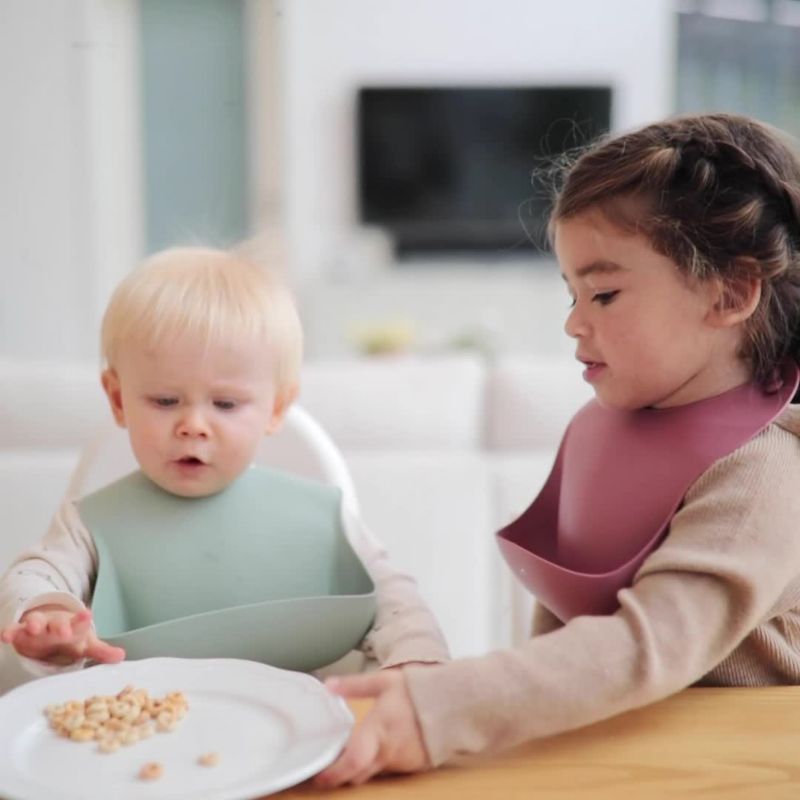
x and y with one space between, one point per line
790 419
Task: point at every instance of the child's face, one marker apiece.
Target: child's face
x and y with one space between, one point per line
646 336
194 415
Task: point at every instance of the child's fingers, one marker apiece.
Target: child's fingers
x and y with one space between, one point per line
38 646
370 771
9 633
80 625
84 615
101 651
34 623
358 758
59 629
370 685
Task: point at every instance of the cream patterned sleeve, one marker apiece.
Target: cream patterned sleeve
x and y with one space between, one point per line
59 569
717 581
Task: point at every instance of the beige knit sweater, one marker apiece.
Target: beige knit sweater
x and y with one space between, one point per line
718 603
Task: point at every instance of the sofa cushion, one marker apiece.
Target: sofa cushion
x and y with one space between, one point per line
397 402
49 404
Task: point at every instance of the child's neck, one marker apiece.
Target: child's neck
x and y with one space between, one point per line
717 378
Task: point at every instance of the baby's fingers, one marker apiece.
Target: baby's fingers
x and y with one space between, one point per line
34 623
9 633
37 646
79 625
101 651
57 630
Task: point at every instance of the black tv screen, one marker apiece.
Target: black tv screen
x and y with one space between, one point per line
449 170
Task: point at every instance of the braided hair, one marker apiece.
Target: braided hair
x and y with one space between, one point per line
718 194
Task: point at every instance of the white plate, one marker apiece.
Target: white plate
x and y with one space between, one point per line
271 728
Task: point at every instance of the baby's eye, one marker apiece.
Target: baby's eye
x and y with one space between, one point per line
225 405
164 402
604 298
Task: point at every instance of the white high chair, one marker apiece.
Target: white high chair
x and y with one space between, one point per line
300 446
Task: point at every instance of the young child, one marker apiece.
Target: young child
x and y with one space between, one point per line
679 245
202 354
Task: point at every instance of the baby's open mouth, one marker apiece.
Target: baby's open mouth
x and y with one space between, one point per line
190 460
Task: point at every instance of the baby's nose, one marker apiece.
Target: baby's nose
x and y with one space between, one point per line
192 425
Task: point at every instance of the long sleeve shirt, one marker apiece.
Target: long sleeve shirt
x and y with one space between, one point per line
62 568
717 603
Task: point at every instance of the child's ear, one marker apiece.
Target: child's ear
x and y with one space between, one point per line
280 407
734 301
110 381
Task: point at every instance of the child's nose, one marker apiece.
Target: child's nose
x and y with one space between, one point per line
575 324
192 425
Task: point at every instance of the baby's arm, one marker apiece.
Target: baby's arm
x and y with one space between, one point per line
43 599
55 635
404 629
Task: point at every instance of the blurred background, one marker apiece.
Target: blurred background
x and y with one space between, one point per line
383 154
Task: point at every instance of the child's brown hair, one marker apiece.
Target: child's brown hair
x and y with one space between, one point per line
718 194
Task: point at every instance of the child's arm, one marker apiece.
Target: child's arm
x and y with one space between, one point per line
57 573
58 636
404 629
389 738
730 564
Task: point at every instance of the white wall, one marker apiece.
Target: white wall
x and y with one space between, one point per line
69 194
70 183
330 48
518 309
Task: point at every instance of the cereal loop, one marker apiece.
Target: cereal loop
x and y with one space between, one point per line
115 720
151 771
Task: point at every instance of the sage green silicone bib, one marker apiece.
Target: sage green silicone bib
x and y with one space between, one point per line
261 571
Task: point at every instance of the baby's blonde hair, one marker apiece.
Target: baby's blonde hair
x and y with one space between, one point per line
211 295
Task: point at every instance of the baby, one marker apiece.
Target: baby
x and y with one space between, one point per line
202 352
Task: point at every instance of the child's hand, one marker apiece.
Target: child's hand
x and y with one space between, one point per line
387 740
59 636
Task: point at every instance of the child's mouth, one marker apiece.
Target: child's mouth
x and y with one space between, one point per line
593 369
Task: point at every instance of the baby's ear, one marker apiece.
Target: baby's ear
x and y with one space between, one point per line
110 381
281 405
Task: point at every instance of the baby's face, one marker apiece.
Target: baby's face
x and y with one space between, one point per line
195 415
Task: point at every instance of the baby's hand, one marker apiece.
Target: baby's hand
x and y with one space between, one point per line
387 740
58 636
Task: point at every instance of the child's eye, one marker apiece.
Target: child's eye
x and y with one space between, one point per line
225 405
604 298
164 402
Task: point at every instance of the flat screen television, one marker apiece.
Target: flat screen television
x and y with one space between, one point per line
449 169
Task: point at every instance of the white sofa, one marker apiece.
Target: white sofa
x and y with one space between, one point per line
443 451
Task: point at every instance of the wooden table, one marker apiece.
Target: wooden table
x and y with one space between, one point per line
737 744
